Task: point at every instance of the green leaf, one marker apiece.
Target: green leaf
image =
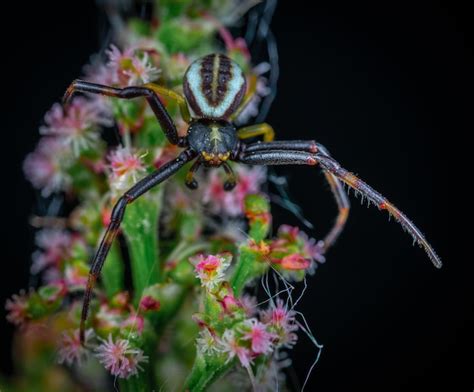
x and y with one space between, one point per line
140 228
150 134
182 35
112 272
171 297
139 383
206 370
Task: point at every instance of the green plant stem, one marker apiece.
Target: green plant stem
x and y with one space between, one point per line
205 372
112 272
140 227
248 267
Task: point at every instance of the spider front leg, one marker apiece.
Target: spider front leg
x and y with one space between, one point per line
337 189
178 98
116 218
277 155
149 92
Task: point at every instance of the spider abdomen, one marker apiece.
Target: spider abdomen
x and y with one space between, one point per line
214 86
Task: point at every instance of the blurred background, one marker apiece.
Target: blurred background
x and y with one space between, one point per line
384 88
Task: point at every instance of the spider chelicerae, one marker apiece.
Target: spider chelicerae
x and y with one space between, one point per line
216 90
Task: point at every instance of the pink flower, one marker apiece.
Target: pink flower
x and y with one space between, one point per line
109 319
98 72
126 169
231 203
292 239
210 269
55 246
119 358
249 303
230 303
135 322
77 125
130 68
282 321
289 232
148 303
310 248
121 300
71 349
260 339
230 345
46 167
295 262
17 309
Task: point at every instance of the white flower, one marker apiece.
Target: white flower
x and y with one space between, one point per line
206 342
210 269
119 358
126 168
71 349
230 345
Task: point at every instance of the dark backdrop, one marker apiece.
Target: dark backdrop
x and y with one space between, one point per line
382 86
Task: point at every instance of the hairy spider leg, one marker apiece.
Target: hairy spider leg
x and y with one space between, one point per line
257 130
278 156
336 186
128 93
141 187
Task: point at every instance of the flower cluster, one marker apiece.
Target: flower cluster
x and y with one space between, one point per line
293 250
76 125
249 338
232 203
118 356
46 166
131 66
193 257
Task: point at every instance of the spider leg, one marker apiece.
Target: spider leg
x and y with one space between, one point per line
178 98
336 186
231 180
118 212
128 93
257 130
190 181
278 156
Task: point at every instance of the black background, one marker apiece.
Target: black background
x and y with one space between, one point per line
383 86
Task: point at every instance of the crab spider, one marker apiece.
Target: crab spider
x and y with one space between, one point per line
215 89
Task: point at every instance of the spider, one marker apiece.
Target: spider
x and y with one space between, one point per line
216 90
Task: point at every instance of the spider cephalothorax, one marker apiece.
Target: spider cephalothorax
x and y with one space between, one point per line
216 90
216 141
